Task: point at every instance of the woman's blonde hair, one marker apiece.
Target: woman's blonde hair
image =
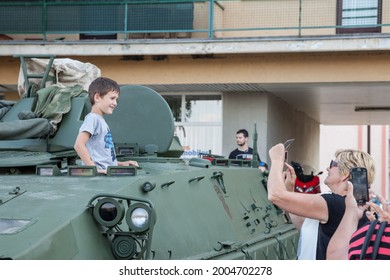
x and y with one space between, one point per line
348 158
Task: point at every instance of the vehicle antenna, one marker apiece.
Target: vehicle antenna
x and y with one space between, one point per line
255 158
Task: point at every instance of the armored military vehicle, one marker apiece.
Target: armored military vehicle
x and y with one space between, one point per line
51 207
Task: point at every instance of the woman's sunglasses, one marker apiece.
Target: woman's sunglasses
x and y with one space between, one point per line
333 163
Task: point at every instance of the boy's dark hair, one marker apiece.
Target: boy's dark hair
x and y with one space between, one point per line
102 86
244 132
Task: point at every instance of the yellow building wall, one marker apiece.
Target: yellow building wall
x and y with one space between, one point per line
246 68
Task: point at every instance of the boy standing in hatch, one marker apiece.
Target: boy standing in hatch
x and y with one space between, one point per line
94 144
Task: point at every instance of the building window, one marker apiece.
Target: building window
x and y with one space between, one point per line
356 16
198 122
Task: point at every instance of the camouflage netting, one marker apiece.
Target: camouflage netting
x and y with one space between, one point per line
67 79
64 72
53 102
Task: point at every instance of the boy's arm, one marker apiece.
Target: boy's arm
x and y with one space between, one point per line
81 148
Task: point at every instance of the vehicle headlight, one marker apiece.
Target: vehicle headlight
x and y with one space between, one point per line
108 212
138 217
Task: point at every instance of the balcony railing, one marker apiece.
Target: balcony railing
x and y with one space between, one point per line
209 19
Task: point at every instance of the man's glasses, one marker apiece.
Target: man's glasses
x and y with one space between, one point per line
333 163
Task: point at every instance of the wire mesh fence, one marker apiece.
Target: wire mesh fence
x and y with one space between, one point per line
103 19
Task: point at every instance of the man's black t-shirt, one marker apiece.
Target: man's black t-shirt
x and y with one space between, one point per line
245 155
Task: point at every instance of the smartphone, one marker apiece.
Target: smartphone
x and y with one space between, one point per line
286 145
358 177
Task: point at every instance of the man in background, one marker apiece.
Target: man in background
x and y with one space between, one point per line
243 151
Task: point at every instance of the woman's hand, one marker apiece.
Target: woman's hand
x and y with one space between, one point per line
384 211
276 153
289 177
351 205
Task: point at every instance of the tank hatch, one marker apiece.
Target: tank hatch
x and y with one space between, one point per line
142 117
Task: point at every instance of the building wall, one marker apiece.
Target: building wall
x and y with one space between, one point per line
326 67
355 137
267 16
386 15
297 125
249 18
243 110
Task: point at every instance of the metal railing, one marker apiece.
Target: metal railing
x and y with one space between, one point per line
211 19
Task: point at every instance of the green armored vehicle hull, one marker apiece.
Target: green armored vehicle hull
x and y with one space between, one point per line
53 208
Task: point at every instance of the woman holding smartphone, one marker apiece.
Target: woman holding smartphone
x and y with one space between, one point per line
327 208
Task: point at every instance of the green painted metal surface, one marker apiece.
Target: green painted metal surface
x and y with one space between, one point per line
196 210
